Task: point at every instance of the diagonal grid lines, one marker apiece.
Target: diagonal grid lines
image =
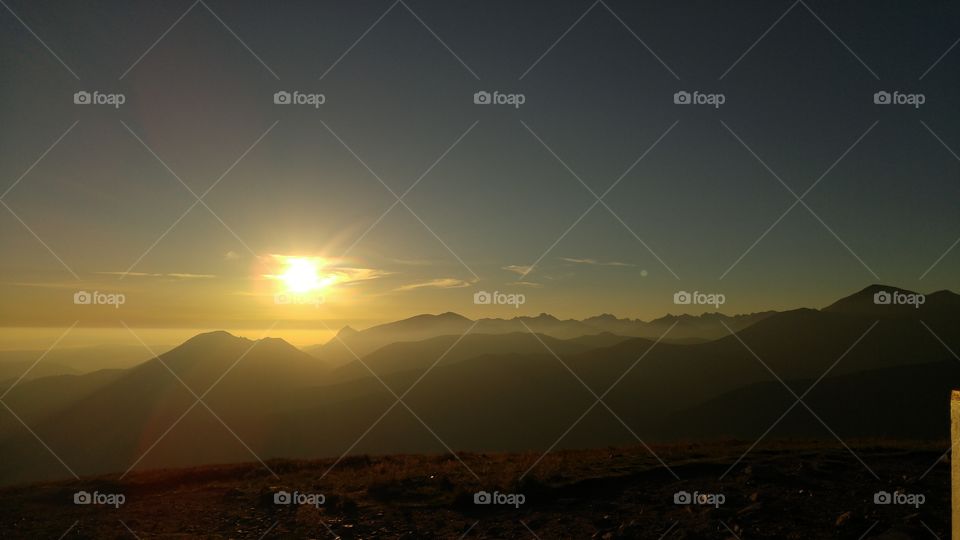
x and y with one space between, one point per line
377 22
618 19
399 198
822 23
42 42
19 419
799 398
199 198
599 400
957 241
180 18
19 219
599 199
953 442
799 200
399 400
198 401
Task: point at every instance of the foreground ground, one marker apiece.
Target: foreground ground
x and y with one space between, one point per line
784 490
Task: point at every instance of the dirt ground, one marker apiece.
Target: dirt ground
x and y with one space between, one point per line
782 490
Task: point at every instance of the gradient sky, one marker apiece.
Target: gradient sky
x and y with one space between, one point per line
498 200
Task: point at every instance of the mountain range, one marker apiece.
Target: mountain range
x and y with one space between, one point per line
872 370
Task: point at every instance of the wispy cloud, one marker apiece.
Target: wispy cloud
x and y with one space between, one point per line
526 284
171 275
329 271
46 285
417 262
517 269
439 283
594 262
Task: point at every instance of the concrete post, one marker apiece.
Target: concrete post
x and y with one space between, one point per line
955 461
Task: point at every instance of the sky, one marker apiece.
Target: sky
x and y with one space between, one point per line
493 197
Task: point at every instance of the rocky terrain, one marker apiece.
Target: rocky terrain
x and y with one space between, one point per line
799 489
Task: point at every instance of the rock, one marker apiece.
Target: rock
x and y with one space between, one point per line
751 508
843 518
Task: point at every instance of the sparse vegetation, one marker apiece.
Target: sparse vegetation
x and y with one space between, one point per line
779 488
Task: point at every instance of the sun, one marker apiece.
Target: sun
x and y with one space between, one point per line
302 275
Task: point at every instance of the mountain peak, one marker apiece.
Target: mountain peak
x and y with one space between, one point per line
347 331
543 317
216 337
274 341
603 317
864 301
448 316
451 316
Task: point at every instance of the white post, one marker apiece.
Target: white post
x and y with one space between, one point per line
955 461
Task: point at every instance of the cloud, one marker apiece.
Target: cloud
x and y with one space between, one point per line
52 285
526 284
417 262
594 262
439 283
517 269
329 271
231 255
174 275
352 275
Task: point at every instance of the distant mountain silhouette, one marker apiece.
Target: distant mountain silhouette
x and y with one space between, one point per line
12 370
906 402
936 305
66 360
413 355
106 419
688 328
497 390
350 343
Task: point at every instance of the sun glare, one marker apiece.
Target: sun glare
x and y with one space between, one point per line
302 275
